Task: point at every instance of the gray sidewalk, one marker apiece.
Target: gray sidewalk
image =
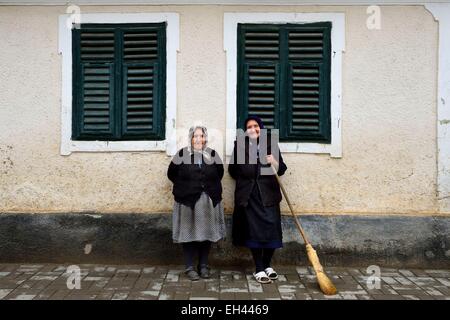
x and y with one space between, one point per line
49 281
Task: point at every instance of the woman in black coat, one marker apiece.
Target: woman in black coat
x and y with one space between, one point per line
256 216
198 216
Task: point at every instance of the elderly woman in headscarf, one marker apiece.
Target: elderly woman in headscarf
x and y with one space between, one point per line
256 216
198 217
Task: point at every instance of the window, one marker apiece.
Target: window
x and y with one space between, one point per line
119 79
284 77
234 82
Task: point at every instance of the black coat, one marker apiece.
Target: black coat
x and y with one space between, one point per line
247 174
190 180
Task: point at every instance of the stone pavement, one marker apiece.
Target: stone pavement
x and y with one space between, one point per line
49 281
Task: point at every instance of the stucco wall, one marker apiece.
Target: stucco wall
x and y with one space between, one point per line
388 118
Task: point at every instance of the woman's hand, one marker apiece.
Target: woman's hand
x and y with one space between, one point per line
271 159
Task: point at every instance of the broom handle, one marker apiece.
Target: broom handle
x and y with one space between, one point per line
299 226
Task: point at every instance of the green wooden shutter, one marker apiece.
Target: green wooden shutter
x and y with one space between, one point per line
119 82
258 74
143 83
94 68
284 77
307 112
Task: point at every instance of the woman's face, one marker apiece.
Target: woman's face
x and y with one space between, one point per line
253 129
198 139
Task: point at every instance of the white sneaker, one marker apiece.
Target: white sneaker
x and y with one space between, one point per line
262 277
271 273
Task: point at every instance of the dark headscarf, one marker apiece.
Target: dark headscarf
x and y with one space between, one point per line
256 118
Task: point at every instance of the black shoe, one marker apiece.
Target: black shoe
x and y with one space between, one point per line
192 274
204 272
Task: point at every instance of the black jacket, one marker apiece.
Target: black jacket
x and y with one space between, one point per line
247 174
190 180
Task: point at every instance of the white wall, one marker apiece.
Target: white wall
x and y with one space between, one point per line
389 86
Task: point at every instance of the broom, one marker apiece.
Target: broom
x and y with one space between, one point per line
325 283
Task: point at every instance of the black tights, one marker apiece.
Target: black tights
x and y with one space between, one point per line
191 249
262 257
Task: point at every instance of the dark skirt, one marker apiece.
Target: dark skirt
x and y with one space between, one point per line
256 226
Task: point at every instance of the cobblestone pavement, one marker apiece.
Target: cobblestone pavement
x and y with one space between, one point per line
49 281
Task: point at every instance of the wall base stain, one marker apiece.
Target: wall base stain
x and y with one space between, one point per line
397 241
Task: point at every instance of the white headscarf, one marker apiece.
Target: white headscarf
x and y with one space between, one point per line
191 149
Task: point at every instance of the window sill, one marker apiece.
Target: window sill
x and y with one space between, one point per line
310 147
113 146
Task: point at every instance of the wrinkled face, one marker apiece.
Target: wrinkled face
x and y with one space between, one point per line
253 129
198 139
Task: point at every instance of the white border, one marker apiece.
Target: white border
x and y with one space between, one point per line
441 13
65 48
223 2
231 21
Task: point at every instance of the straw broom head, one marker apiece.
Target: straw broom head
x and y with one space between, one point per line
325 283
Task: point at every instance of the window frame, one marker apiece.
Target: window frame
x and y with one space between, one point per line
66 24
231 21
